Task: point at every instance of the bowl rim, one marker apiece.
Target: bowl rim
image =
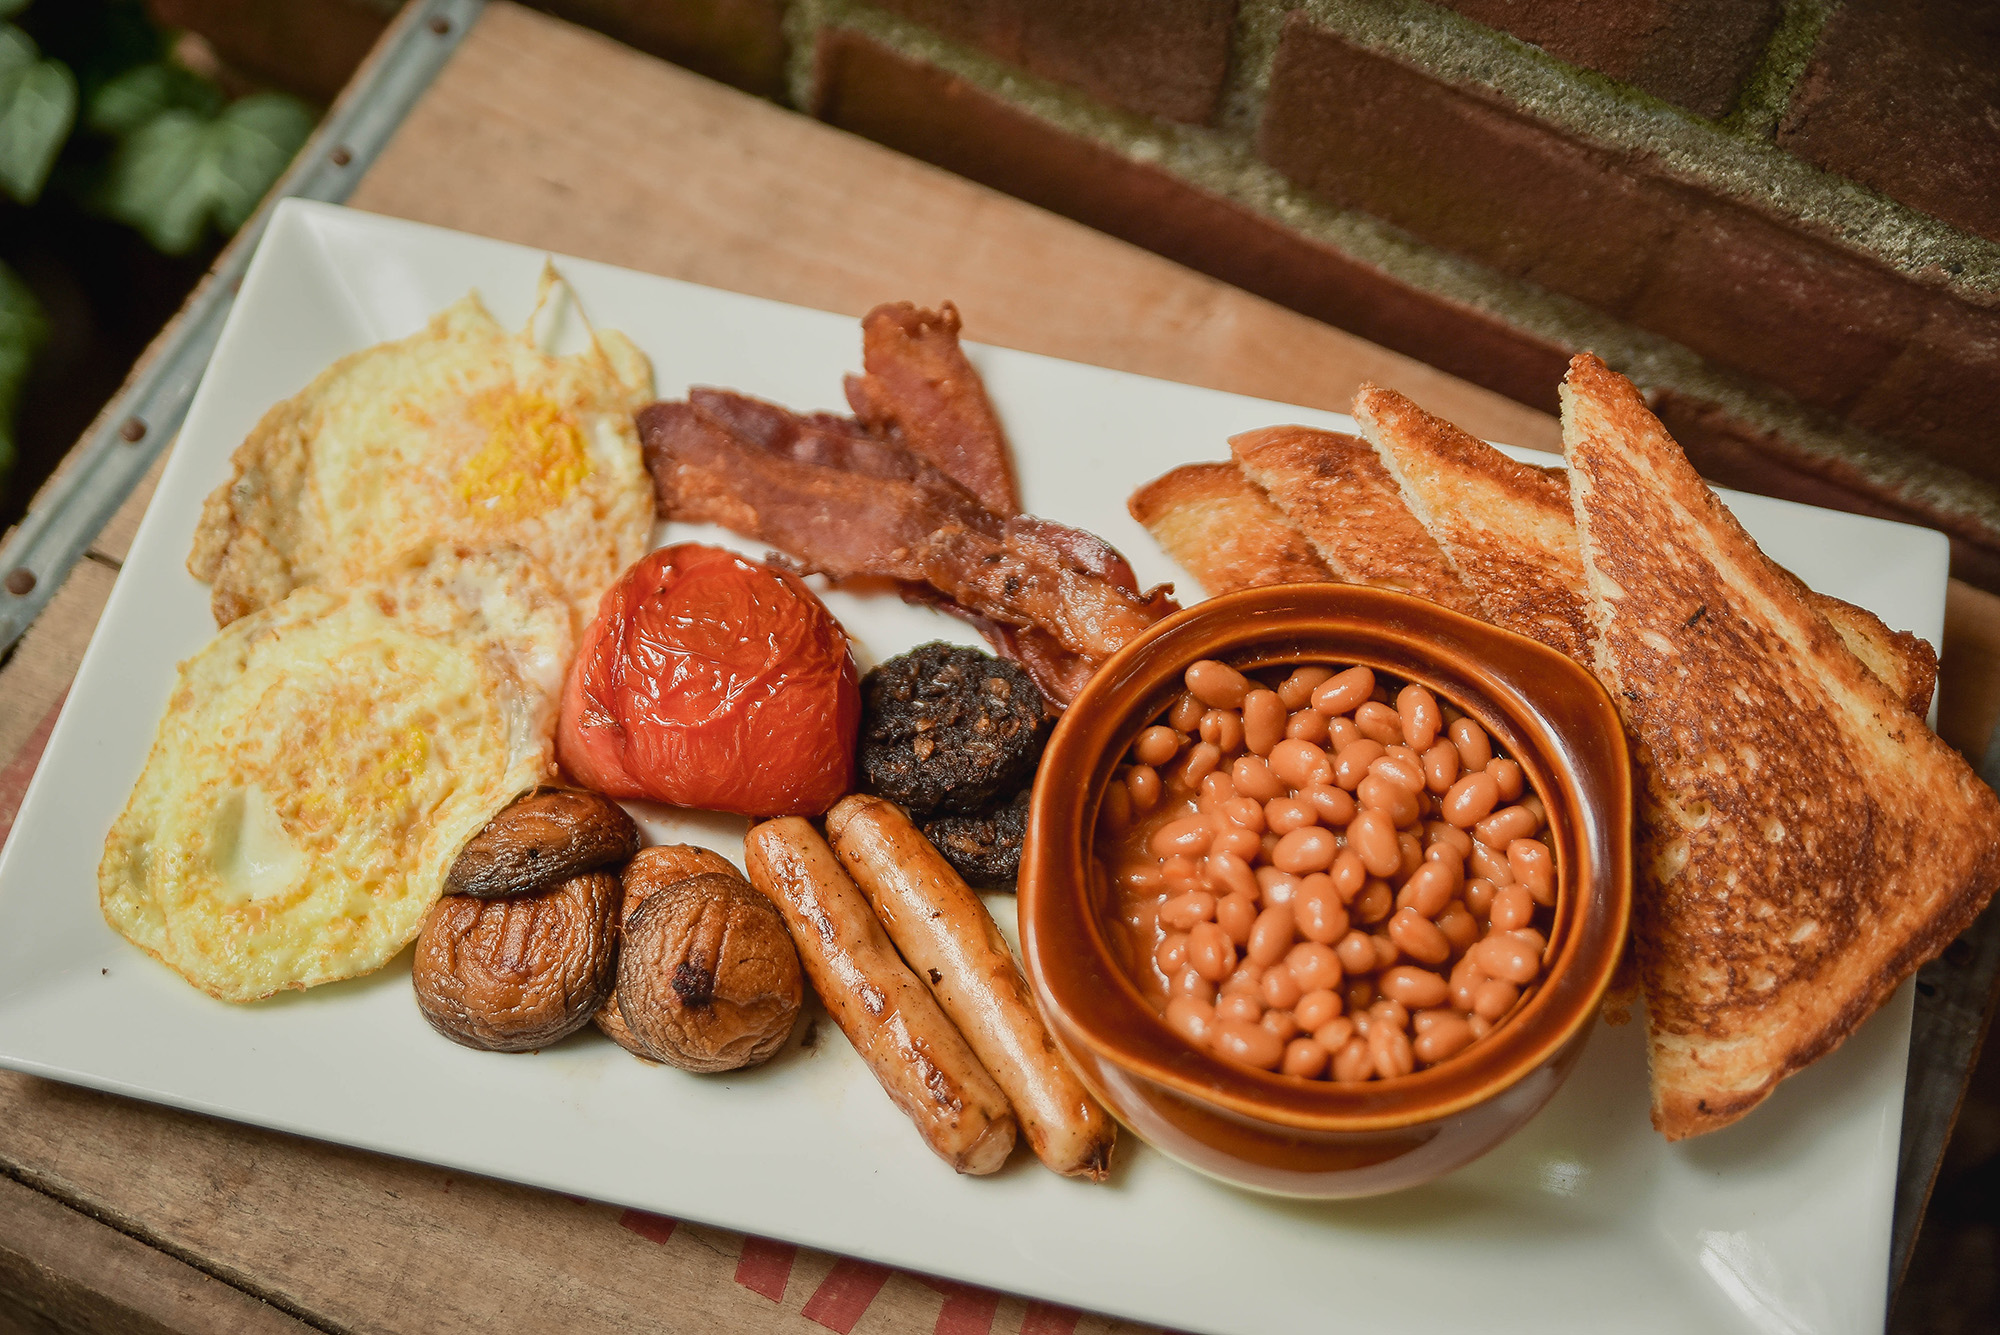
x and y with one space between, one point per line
1074 973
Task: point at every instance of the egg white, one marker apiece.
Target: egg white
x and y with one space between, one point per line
465 432
323 761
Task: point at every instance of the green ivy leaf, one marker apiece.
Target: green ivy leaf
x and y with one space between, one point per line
179 171
125 103
23 330
155 181
37 108
254 140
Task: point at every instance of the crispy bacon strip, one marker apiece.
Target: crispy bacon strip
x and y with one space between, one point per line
1059 673
778 428
843 443
919 391
845 524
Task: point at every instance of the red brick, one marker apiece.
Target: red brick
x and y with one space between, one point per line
1696 54
929 114
1461 169
1163 58
1731 453
1904 96
740 42
1763 299
920 110
1943 393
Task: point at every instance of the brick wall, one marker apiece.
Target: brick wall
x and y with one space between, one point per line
1781 217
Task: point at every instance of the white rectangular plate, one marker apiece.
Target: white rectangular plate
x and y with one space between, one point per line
1584 1221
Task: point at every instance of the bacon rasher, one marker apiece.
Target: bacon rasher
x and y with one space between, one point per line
878 514
919 391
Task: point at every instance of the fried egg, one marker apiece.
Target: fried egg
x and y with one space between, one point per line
323 760
463 433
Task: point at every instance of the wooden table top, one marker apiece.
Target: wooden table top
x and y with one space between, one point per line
117 1215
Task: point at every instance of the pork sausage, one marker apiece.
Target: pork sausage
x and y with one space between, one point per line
947 936
922 1061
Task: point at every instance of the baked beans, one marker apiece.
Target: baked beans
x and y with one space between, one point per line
1327 875
1264 720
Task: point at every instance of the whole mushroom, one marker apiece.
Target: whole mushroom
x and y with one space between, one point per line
654 869
516 974
541 839
708 977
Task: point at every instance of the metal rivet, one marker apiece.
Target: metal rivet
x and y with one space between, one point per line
21 582
440 26
340 156
133 429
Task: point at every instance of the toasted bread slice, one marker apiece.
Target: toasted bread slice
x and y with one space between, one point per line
1904 663
1507 529
1224 531
1805 842
1333 488
1504 526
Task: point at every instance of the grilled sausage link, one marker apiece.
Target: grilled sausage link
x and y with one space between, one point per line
948 937
922 1061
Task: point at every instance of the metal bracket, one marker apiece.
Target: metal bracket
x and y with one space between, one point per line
136 425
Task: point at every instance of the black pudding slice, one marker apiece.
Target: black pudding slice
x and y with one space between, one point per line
949 729
984 848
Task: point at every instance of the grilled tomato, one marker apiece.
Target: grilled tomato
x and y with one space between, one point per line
711 681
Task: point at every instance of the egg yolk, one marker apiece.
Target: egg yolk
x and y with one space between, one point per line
346 761
533 458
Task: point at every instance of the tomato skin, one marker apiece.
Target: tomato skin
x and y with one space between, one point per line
710 681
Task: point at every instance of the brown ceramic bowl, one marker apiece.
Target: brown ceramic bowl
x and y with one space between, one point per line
1276 1133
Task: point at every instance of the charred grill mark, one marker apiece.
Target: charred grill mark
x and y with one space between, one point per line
1699 613
944 1090
694 984
937 1082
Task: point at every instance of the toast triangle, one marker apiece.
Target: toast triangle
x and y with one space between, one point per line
1805 842
1332 488
1504 526
1223 530
1508 531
